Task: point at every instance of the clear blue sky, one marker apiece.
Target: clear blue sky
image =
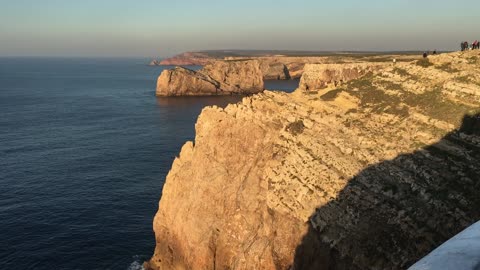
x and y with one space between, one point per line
161 28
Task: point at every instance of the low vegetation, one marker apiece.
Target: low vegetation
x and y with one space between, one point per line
424 63
447 67
296 127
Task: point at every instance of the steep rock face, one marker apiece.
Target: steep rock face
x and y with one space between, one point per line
318 76
295 64
217 78
236 76
371 175
274 71
295 70
183 82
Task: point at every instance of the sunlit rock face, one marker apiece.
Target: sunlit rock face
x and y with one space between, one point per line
188 59
371 174
317 76
217 78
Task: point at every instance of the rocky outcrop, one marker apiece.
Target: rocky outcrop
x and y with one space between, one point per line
154 62
188 59
294 65
183 82
295 70
217 78
373 174
274 71
318 76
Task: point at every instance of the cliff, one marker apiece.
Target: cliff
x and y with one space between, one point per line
318 76
280 67
274 71
217 78
373 174
187 59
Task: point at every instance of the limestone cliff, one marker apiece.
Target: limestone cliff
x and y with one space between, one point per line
372 174
292 67
187 59
181 81
217 78
317 76
274 71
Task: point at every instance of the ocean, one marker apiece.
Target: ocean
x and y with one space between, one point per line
84 150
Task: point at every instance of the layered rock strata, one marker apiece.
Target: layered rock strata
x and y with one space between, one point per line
318 76
274 71
217 78
295 65
373 174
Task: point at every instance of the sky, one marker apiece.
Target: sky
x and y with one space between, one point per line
161 28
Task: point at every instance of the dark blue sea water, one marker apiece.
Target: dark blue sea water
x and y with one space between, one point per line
84 150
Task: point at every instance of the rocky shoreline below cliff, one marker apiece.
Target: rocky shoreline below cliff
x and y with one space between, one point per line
372 172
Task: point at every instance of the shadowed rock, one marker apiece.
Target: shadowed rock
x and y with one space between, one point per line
393 213
274 71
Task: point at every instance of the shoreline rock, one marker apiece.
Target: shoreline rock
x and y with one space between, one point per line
217 78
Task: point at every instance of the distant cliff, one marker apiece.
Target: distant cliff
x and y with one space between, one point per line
277 65
217 78
186 59
371 174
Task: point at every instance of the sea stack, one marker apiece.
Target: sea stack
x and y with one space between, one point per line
217 78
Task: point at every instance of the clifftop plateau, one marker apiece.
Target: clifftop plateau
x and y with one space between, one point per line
186 59
373 173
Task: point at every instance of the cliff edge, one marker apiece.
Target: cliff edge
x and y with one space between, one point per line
372 174
187 59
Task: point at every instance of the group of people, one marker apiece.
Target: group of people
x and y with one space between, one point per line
475 45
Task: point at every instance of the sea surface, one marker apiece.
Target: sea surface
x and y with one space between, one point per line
84 150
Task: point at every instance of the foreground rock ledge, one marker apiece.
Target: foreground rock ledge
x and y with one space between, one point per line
218 78
371 175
